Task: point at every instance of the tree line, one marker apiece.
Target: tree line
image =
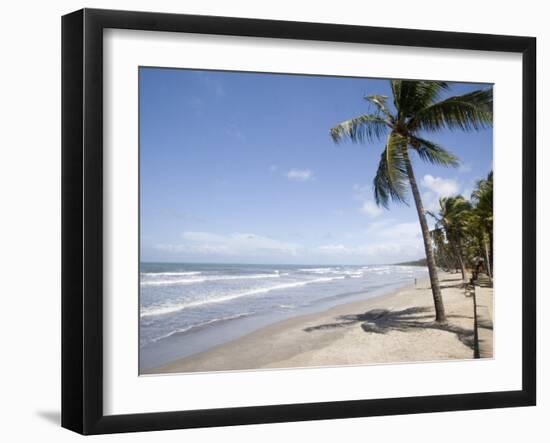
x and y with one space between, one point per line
463 233
417 108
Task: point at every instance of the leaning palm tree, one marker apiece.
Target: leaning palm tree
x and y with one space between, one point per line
454 218
444 258
417 108
482 219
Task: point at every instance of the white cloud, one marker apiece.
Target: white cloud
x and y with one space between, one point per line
362 192
389 242
383 241
444 187
368 206
337 249
437 187
387 252
235 244
391 230
371 209
380 224
465 167
394 252
300 175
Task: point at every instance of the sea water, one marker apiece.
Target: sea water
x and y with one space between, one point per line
189 308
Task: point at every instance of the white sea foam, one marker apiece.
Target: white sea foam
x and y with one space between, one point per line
171 274
201 325
171 308
353 274
318 270
188 281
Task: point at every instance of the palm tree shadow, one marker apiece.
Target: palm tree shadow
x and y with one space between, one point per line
453 282
382 321
460 285
485 324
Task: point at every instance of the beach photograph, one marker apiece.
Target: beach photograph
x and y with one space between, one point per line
293 221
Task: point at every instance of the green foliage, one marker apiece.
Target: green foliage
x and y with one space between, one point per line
433 153
464 229
384 188
468 112
367 127
452 219
417 107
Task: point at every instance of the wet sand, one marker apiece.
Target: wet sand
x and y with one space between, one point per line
398 327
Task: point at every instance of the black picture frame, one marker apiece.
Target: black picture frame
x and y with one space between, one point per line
82 218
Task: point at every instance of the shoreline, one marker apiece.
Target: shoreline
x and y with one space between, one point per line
389 328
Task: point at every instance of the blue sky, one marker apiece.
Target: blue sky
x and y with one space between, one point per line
240 168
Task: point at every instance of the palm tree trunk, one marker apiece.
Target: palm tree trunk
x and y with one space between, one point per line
444 259
434 280
463 270
459 256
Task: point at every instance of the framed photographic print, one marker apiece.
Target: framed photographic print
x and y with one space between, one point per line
269 221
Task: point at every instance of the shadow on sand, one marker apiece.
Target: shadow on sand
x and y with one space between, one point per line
445 283
381 321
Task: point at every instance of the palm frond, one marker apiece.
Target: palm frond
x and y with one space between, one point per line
453 218
432 214
380 102
395 158
368 127
469 111
438 236
396 92
412 95
391 177
482 197
454 205
384 189
433 153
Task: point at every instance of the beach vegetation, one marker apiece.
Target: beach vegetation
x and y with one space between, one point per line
416 108
453 224
463 232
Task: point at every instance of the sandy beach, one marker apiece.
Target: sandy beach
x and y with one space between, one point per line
397 327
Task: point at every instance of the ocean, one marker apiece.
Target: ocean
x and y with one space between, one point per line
186 308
